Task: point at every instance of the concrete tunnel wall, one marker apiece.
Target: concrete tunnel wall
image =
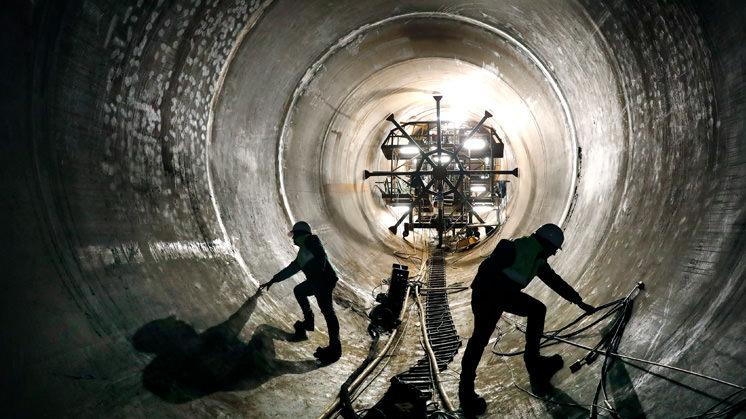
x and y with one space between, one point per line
159 151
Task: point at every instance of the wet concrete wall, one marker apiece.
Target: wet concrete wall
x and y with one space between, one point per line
159 151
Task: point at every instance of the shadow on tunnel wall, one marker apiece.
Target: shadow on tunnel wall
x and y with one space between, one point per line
188 365
558 404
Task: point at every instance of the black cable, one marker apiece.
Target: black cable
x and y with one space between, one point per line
608 346
555 333
576 405
611 345
740 405
346 409
382 368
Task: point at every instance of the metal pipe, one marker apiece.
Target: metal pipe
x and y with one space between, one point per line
431 354
440 139
391 119
514 172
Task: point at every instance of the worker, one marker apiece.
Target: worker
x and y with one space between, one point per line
497 288
321 278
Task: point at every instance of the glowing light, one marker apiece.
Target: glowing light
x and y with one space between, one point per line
444 158
399 209
408 150
474 144
478 188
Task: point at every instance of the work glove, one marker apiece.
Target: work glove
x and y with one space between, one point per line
589 309
266 285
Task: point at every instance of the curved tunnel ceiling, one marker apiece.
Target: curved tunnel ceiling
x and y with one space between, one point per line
172 145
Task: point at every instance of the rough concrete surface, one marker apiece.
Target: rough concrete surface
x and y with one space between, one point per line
155 153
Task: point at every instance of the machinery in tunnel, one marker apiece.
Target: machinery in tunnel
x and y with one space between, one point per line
441 173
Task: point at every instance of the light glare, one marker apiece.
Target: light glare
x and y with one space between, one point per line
474 144
478 188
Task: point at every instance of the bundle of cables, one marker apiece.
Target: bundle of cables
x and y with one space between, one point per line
608 347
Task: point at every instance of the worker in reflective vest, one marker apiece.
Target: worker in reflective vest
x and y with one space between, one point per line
497 288
321 278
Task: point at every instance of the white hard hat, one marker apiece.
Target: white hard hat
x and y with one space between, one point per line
552 234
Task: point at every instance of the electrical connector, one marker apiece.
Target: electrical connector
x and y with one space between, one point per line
591 357
575 367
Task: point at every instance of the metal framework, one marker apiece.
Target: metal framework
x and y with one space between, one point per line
441 171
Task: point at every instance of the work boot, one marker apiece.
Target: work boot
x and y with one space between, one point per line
330 353
542 368
301 327
471 403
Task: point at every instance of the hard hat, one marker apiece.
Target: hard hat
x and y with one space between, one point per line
300 227
552 234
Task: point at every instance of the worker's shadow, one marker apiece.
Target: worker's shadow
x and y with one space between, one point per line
561 406
619 387
188 365
558 404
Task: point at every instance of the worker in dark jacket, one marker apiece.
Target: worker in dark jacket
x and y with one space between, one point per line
321 279
497 288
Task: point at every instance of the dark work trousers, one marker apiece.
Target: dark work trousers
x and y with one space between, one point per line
487 308
323 292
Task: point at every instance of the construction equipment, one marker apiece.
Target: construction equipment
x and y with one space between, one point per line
441 172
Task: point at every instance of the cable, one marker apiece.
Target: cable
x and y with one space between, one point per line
610 342
555 333
657 364
735 408
395 346
577 405
515 384
608 346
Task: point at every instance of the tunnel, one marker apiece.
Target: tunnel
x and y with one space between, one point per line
157 154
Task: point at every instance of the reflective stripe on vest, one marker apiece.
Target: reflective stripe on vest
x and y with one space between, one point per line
526 263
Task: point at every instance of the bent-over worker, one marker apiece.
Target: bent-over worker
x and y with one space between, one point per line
497 288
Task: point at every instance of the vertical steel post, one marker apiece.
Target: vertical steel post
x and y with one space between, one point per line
440 182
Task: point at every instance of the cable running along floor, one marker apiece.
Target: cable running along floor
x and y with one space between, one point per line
440 328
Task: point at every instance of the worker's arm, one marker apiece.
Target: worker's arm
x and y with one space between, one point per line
556 283
284 274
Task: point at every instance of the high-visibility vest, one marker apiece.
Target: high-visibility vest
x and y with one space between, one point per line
527 262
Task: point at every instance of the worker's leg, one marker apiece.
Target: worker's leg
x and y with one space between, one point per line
540 368
332 352
324 299
302 291
535 311
486 312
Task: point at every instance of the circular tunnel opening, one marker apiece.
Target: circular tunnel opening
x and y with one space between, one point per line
336 120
